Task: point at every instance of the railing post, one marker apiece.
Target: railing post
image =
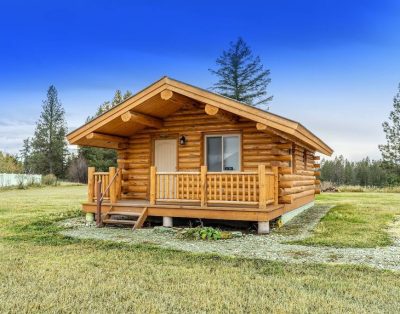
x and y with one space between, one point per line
203 186
153 179
113 192
262 202
91 187
118 184
276 185
99 220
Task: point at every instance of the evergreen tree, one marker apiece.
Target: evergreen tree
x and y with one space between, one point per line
103 158
241 75
364 172
25 155
391 150
107 105
49 147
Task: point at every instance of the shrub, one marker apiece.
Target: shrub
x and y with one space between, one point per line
21 181
202 233
49 179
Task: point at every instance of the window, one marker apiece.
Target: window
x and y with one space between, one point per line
223 152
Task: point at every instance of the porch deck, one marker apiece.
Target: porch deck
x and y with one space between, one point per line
189 210
248 196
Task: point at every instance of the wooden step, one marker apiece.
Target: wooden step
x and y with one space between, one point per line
140 220
131 214
119 222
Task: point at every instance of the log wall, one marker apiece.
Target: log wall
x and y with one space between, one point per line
192 122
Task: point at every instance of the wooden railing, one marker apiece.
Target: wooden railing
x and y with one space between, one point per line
233 187
178 186
113 193
236 188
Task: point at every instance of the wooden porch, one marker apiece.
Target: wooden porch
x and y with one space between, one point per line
247 196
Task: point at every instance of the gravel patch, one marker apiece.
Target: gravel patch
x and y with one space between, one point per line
271 247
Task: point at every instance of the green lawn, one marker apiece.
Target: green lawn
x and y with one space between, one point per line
357 220
41 271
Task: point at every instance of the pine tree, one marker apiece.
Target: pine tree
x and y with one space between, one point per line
241 75
49 147
107 105
103 158
391 150
25 155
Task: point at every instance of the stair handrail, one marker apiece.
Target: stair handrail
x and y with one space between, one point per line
99 200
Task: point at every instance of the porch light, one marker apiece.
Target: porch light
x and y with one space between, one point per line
182 140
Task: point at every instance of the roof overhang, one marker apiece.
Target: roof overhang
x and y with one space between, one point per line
166 96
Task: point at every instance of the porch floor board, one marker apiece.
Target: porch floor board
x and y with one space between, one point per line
231 212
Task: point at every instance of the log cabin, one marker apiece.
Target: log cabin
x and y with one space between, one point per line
185 152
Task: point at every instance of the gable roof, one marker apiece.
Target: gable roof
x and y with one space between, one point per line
147 101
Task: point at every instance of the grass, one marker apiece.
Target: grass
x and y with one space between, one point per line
43 272
369 189
357 220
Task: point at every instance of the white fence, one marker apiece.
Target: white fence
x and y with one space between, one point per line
12 179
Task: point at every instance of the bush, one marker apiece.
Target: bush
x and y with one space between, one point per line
201 233
49 179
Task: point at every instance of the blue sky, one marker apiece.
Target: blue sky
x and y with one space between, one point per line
334 65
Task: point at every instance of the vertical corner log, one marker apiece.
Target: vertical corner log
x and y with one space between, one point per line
113 190
91 187
203 186
262 187
153 185
275 170
118 183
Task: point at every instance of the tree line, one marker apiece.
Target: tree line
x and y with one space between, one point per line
365 172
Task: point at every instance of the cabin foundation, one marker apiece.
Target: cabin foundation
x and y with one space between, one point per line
290 215
263 227
168 222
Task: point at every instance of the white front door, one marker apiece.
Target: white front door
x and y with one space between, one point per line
165 155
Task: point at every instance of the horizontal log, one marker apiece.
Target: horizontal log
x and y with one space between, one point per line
279 152
287 199
284 145
285 170
305 172
166 94
294 190
220 114
142 119
302 194
290 184
295 177
106 138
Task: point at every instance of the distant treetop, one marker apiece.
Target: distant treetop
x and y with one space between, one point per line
241 75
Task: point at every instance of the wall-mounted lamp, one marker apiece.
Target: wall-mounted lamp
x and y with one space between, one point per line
182 140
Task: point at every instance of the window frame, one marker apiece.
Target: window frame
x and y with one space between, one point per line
222 135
